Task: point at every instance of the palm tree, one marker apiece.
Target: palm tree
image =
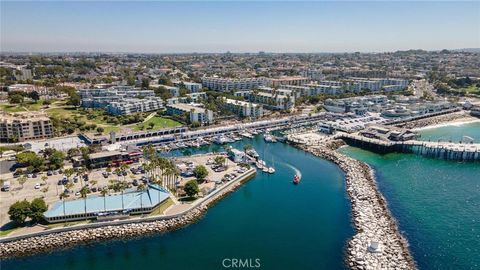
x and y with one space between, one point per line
104 193
22 179
83 194
141 188
124 168
44 179
44 190
62 197
93 182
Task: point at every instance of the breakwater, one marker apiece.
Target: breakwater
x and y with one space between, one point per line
378 243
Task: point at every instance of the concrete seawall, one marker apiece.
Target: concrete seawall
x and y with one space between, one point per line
372 219
49 240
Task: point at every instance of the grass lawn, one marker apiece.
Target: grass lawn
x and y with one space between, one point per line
70 223
12 108
6 232
70 112
159 123
160 209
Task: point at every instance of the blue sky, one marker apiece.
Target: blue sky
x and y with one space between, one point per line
168 27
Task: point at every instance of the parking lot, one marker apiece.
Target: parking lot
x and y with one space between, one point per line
51 189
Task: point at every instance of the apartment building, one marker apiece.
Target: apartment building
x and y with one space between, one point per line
286 80
232 84
274 99
379 84
243 108
196 114
24 126
190 86
134 105
313 74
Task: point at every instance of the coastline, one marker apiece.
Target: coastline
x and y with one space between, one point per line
30 245
456 122
456 118
371 217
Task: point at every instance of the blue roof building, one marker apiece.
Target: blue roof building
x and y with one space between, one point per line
94 207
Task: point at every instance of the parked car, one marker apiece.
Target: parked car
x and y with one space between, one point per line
37 186
50 173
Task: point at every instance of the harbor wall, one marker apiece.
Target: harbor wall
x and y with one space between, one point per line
373 221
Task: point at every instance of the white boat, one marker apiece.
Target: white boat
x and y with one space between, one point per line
259 165
268 138
246 135
252 153
265 169
220 139
271 170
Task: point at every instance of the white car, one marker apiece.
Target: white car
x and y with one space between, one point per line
37 186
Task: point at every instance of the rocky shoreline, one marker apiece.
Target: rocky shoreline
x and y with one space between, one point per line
45 243
373 221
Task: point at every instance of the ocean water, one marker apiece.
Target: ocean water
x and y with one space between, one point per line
285 226
454 133
436 202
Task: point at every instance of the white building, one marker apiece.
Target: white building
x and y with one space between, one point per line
134 105
196 114
190 86
274 99
232 84
243 108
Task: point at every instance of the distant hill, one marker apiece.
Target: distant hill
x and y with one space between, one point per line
471 50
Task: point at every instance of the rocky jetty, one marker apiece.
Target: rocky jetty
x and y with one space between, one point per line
37 244
377 243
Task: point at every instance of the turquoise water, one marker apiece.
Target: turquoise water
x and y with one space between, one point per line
454 133
285 226
436 203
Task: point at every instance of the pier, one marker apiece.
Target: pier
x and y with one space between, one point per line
441 150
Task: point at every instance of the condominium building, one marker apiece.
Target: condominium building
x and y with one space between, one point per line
190 86
358 105
231 84
286 80
195 114
379 84
24 126
243 108
134 105
274 99
312 74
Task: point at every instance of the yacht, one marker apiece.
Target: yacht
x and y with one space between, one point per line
252 153
268 138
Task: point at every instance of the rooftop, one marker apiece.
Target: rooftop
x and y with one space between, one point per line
132 199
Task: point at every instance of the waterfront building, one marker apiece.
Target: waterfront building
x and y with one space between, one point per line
243 108
232 84
24 126
134 105
195 114
109 207
379 84
109 158
357 105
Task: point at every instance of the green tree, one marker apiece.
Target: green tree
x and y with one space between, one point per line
56 160
22 179
19 211
15 99
37 208
29 158
200 172
191 188
220 160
